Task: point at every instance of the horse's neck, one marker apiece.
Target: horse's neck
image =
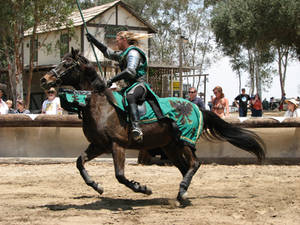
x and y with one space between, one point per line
91 81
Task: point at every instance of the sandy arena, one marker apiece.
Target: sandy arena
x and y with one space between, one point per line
52 194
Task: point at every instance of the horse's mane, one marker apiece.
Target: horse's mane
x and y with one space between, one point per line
98 83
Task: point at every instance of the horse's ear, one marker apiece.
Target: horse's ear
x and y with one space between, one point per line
72 51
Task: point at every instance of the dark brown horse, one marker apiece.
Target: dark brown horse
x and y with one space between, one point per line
107 130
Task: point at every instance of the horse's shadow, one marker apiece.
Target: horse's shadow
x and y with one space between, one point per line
113 204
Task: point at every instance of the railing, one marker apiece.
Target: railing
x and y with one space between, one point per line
39 135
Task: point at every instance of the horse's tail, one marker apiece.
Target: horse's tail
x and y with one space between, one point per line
216 128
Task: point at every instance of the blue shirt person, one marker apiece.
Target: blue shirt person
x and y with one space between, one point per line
194 99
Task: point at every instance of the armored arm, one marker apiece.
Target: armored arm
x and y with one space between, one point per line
107 52
129 73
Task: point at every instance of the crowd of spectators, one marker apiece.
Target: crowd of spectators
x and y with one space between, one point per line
254 104
218 104
50 106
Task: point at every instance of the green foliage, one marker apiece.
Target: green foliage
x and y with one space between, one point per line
257 26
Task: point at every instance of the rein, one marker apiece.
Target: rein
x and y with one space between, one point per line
59 76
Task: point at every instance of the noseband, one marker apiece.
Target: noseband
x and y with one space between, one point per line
58 75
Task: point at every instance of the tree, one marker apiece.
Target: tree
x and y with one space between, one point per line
11 37
259 27
17 16
50 13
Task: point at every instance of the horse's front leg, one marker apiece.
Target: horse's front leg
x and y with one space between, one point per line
90 153
118 154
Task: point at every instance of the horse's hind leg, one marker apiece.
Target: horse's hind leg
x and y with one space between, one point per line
185 160
194 165
118 153
90 153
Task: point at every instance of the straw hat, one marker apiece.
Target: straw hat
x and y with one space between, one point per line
114 86
20 101
52 89
293 101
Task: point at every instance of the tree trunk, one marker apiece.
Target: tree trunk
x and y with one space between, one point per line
11 75
257 74
282 67
18 61
251 70
32 51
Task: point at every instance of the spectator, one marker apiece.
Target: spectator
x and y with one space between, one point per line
114 87
210 102
194 99
272 103
9 104
220 104
265 104
3 106
282 100
242 103
293 110
256 106
21 108
51 105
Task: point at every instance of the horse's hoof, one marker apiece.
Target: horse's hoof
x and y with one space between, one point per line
99 189
184 196
183 200
174 203
148 191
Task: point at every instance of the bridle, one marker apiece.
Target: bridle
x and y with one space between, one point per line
58 75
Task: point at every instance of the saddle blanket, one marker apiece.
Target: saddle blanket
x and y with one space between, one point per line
187 115
72 100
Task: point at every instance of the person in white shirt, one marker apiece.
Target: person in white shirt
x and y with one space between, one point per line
51 106
3 106
293 110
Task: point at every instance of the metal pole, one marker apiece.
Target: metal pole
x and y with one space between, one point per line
172 78
180 68
86 30
204 90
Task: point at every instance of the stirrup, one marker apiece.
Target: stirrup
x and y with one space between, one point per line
137 134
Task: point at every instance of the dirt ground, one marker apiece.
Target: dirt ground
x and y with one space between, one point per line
53 194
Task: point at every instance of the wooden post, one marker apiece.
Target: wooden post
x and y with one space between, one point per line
172 78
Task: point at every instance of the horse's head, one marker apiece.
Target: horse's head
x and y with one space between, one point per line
74 70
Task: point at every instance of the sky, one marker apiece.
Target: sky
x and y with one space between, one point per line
221 74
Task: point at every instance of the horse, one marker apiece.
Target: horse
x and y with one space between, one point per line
108 131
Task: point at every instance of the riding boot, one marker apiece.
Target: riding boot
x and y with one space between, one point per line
136 132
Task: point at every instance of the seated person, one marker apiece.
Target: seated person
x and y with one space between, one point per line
293 110
9 104
51 106
3 106
21 108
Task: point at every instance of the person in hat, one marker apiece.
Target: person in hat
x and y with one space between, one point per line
9 104
21 107
51 105
293 110
114 87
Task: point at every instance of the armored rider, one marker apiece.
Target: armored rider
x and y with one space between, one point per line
133 64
